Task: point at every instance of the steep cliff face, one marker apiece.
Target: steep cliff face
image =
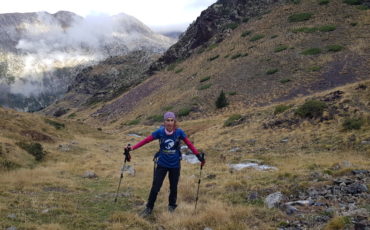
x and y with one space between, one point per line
212 26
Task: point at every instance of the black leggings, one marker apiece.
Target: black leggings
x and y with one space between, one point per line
158 178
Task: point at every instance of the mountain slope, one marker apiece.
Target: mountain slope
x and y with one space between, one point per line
293 50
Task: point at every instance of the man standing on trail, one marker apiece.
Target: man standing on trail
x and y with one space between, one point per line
167 159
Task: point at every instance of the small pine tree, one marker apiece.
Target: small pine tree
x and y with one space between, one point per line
221 100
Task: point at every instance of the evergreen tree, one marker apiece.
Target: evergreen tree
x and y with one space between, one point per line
221 100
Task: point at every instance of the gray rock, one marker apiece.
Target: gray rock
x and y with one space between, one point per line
64 147
356 188
360 171
273 200
12 216
129 169
284 140
251 142
12 228
90 175
207 228
236 149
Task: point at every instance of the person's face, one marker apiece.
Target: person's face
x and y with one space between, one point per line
169 123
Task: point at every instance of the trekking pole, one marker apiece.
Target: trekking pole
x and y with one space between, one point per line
200 177
127 158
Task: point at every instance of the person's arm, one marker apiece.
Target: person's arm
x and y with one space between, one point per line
191 146
143 142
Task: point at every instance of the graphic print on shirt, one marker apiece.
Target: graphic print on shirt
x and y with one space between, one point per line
168 144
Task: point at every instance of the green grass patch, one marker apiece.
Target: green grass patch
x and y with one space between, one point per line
213 57
233 93
227 55
233 120
179 70
352 123
338 222
205 79
167 108
203 87
281 108
35 149
311 109
353 24
334 48
257 37
299 17
211 47
274 36
272 71
72 115
280 48
232 26
362 7
8 165
327 28
55 124
155 118
171 67
323 2
314 68
246 33
305 30
353 2
285 80
245 20
184 112
311 51
133 122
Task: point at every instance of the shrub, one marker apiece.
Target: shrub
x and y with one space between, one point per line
232 93
274 36
280 48
235 56
7 164
271 71
311 51
245 20
56 124
334 48
184 112
233 120
327 28
339 222
179 70
205 79
155 118
353 2
285 80
72 115
280 109
246 33
257 37
203 87
221 100
353 23
35 149
213 57
352 123
299 17
311 109
323 2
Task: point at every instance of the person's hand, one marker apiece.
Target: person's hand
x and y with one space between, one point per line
200 157
128 148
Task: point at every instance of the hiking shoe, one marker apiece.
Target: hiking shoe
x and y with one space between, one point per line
146 212
171 208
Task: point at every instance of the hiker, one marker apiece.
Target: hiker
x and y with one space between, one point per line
167 160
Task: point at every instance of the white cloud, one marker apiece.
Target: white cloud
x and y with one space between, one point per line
157 13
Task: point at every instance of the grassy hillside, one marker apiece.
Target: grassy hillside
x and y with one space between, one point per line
309 153
293 50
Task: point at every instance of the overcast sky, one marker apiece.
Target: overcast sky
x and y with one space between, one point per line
157 14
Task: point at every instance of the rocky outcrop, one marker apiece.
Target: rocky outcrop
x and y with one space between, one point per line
212 26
